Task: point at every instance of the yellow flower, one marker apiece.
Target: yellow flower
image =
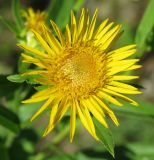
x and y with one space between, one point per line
34 20
81 73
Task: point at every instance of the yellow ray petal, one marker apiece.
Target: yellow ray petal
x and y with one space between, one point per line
59 33
92 25
40 96
120 96
120 66
43 108
83 34
81 22
108 110
68 34
43 43
122 90
29 59
59 108
53 113
103 95
97 106
33 51
103 32
122 55
44 92
52 41
44 81
133 67
121 78
35 72
109 37
92 109
85 122
73 120
31 12
123 85
100 28
123 49
62 108
73 27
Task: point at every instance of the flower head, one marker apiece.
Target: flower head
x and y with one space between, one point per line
81 73
34 20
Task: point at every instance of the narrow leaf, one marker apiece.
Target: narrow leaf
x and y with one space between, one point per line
145 27
16 78
104 134
16 8
3 152
78 5
9 120
60 13
143 109
10 25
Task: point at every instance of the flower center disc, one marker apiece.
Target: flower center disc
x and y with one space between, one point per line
78 73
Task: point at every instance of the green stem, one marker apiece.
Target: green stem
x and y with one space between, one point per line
61 135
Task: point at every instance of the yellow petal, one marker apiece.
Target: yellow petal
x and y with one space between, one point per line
44 92
92 109
100 28
29 59
59 33
103 95
122 90
121 78
33 51
53 42
37 72
73 120
97 106
62 108
92 25
68 34
43 43
120 96
44 107
103 32
73 27
53 113
133 67
85 122
83 34
81 22
122 55
120 66
109 37
123 85
108 110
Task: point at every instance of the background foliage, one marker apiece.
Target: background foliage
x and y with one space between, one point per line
20 139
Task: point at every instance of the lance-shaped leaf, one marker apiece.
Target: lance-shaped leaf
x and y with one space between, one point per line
104 134
9 120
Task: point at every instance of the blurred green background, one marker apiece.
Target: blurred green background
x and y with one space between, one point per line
134 138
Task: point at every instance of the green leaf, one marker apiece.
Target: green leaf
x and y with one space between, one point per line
16 78
27 110
60 13
9 120
144 109
145 27
3 152
78 5
10 25
141 151
104 134
7 89
16 8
